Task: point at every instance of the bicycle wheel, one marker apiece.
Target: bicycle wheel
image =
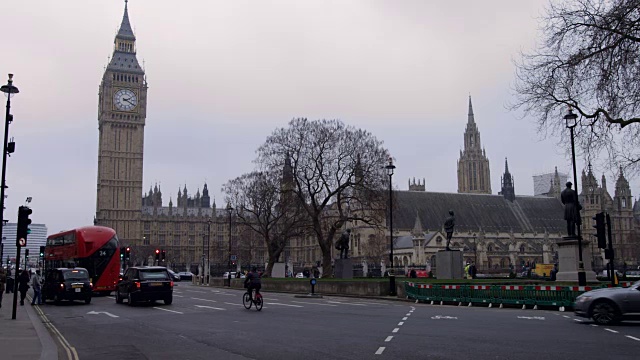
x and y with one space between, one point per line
246 301
258 302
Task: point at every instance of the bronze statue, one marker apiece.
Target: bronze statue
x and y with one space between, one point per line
572 208
343 244
448 227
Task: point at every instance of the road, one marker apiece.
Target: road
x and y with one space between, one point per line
211 323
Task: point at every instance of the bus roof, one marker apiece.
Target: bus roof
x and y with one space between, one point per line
90 231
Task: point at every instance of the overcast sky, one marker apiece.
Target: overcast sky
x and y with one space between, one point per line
224 74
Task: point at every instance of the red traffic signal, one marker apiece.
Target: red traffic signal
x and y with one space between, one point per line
157 251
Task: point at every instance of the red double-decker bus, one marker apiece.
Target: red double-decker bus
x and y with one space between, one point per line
94 248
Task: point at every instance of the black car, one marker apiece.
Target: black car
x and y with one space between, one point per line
67 284
145 283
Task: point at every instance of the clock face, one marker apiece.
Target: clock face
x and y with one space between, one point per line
125 100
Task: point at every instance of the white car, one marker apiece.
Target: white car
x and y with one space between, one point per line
299 276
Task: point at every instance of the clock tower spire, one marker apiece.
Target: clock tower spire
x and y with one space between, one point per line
122 111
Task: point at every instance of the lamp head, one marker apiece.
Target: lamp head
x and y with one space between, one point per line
390 167
571 119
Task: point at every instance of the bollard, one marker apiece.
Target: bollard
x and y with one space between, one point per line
313 286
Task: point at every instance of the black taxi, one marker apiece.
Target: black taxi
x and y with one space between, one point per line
145 283
67 284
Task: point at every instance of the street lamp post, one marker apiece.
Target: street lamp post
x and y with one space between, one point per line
229 210
571 122
8 89
392 278
208 271
475 251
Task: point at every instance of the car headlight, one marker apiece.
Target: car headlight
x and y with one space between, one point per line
583 298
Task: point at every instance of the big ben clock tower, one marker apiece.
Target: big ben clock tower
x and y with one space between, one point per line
122 111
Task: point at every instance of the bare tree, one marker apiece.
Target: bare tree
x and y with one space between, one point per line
589 60
264 204
375 248
333 165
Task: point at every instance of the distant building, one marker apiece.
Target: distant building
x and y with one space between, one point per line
473 165
542 183
37 238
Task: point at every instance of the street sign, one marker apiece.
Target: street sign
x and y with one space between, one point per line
234 257
22 242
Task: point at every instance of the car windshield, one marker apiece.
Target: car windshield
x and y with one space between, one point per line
76 275
154 275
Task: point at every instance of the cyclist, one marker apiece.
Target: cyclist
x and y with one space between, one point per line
252 281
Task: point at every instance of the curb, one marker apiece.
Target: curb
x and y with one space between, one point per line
49 347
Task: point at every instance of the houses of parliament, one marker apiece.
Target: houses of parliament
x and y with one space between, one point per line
495 231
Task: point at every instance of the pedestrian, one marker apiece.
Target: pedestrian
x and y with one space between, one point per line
413 274
9 282
3 281
23 285
36 282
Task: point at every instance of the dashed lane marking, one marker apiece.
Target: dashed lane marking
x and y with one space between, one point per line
632 337
345 303
613 331
408 314
228 303
312 303
203 299
380 350
565 316
272 303
173 311
209 307
404 318
395 330
401 323
388 338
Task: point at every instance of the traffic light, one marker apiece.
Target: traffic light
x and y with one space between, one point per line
26 254
23 225
127 253
122 253
164 255
600 231
157 254
41 252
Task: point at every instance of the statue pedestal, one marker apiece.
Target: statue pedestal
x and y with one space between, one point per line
278 270
449 264
343 269
568 259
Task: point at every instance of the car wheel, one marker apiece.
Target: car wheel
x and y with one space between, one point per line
605 313
57 299
168 300
87 300
118 297
130 299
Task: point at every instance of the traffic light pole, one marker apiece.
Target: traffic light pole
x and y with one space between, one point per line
15 283
611 256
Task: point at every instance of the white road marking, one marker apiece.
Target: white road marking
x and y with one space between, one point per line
578 320
228 303
178 295
565 316
388 338
408 314
312 303
613 331
345 303
531 317
177 312
443 317
632 337
371 303
594 325
209 307
380 350
272 303
111 297
102 312
401 323
395 330
405 318
198 291
203 299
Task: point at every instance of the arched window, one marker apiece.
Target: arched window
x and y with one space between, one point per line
490 247
439 239
522 248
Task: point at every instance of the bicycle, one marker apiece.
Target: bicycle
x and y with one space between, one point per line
248 300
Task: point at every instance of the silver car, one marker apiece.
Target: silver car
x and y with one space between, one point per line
610 305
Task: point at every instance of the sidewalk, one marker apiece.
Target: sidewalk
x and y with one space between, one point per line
25 337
